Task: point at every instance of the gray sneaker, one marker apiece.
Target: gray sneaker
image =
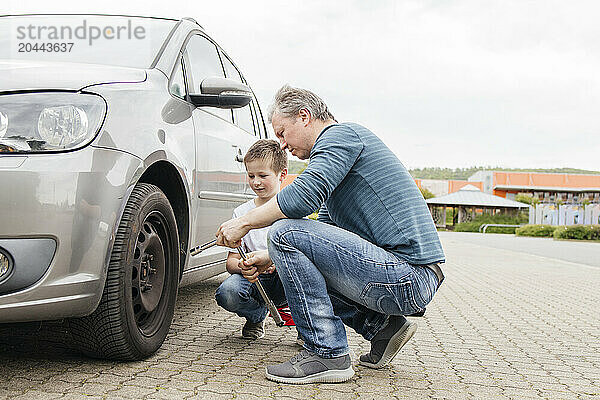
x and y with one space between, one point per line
253 331
306 367
388 342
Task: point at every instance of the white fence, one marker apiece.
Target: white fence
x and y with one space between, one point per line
568 214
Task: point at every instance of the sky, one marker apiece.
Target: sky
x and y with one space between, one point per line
514 84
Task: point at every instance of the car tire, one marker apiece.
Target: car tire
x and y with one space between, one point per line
138 301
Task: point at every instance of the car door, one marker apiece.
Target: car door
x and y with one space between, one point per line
246 118
220 177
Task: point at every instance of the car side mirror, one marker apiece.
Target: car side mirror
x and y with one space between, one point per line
221 93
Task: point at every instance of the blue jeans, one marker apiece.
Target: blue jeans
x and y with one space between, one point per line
334 277
239 296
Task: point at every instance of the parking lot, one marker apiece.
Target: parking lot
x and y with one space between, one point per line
507 323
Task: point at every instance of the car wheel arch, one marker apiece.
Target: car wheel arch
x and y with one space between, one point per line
168 178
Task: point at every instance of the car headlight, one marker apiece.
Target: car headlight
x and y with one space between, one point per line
50 121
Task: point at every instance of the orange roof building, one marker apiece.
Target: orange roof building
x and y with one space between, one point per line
548 187
442 187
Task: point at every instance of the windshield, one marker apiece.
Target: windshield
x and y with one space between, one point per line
94 39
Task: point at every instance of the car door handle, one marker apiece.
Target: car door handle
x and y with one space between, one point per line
239 157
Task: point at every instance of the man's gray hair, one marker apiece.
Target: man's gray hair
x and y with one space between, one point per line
289 101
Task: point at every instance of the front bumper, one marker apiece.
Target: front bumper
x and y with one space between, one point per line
73 200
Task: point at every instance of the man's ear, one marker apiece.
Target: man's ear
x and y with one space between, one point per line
282 175
305 116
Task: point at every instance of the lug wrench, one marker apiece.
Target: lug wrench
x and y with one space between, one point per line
270 306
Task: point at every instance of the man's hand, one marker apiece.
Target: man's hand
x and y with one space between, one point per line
257 263
231 232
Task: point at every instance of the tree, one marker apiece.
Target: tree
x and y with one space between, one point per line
426 193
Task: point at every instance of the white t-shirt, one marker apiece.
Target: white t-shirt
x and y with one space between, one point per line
256 239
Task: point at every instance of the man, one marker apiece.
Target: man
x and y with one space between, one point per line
371 258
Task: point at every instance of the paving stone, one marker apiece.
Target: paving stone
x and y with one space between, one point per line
221 387
108 378
451 394
328 394
374 396
94 389
170 393
296 391
246 396
21 384
240 372
194 376
75 377
131 392
213 396
409 393
515 393
478 339
79 396
147 382
37 394
158 373
7 393
57 386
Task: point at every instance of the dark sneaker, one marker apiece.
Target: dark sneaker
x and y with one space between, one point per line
388 342
253 331
306 367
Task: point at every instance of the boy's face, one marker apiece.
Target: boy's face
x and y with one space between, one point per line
262 179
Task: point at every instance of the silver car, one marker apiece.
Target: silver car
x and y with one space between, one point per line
121 148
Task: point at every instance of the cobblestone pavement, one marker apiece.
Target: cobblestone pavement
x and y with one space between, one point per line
504 325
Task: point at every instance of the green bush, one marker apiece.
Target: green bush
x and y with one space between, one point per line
536 230
524 198
578 232
426 193
474 225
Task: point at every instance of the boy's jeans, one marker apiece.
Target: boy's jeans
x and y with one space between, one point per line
331 276
239 296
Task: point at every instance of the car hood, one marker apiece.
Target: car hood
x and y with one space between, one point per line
27 75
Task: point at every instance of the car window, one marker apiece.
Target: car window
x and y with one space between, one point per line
177 84
261 120
258 118
242 116
205 63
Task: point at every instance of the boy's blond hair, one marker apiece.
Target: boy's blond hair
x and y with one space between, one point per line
270 151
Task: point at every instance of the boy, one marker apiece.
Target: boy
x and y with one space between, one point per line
266 166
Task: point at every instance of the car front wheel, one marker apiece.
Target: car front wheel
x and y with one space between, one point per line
137 305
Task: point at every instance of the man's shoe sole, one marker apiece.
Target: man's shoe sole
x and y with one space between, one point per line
248 337
395 344
254 337
329 376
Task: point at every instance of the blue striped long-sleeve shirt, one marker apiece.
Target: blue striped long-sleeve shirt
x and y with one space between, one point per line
361 186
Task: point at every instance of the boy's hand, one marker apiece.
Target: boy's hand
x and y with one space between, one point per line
257 263
231 232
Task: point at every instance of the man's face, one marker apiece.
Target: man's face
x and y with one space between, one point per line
293 133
